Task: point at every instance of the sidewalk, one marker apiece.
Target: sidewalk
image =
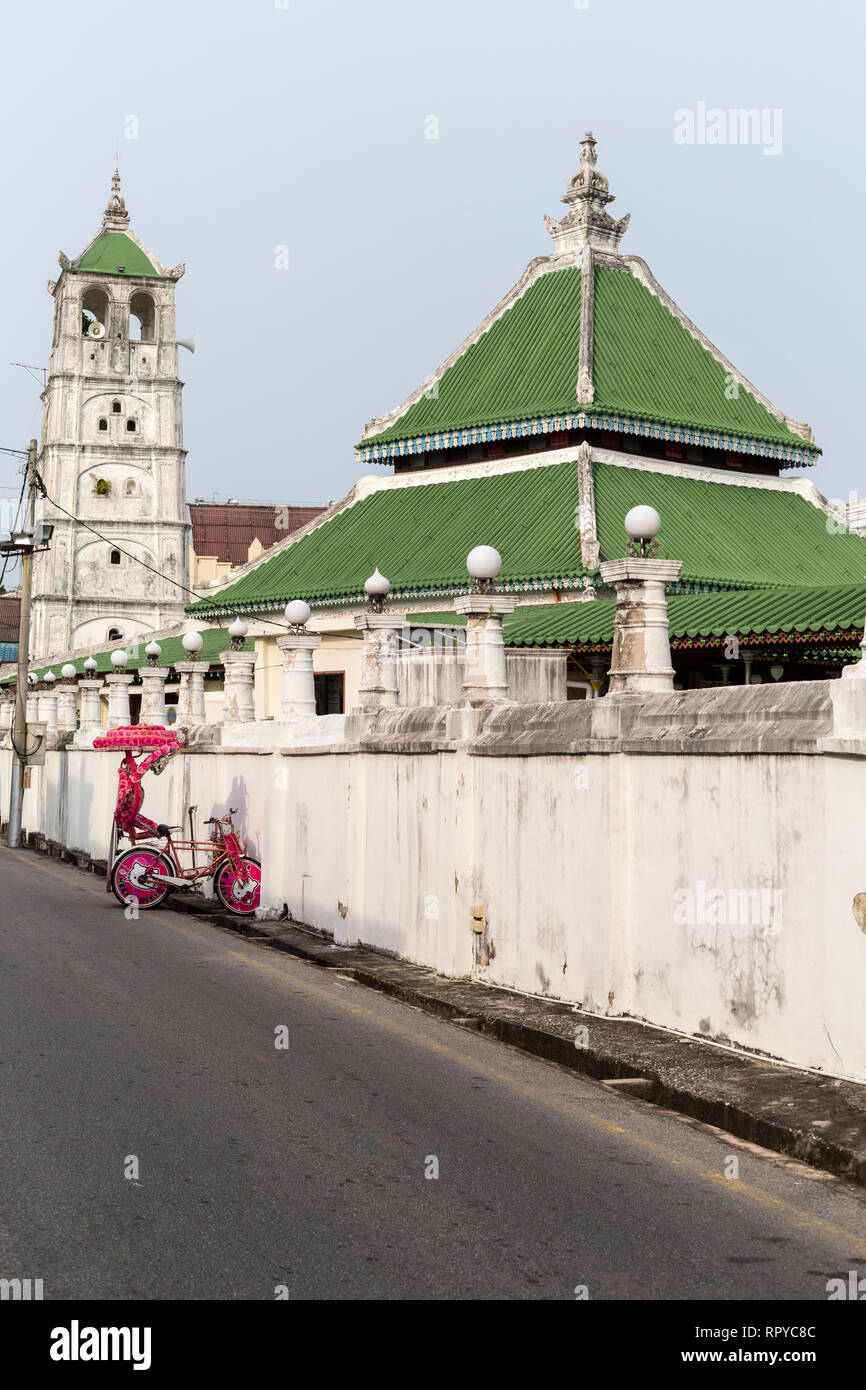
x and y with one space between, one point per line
817 1119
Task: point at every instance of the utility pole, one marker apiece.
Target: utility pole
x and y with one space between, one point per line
19 726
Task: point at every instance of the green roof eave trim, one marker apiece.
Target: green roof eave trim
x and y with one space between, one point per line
772 616
803 455
114 249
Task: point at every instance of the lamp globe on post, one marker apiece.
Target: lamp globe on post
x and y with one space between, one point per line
153 651
90 666
377 588
297 614
642 525
483 563
68 671
49 678
238 633
119 659
192 642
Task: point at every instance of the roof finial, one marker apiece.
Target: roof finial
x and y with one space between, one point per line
115 218
587 195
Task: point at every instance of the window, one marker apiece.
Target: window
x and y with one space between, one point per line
103 423
94 309
115 406
130 427
131 488
142 309
115 634
329 691
114 557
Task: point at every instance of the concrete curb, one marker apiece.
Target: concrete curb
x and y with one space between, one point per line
817 1119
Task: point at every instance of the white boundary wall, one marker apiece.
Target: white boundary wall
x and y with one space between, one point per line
583 831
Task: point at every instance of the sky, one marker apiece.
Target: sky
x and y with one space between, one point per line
252 133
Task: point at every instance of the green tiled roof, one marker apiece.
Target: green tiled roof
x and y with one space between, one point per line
214 642
646 367
727 535
114 249
702 619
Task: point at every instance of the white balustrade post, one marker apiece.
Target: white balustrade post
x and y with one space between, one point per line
239 686
48 708
641 656
67 692
379 685
190 699
118 699
485 678
299 685
152 694
89 715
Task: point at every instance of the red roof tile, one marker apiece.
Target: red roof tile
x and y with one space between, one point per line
10 612
227 529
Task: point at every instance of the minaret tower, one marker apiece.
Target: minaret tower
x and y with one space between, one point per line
112 448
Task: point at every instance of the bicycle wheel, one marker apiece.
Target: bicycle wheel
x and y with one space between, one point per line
135 874
237 894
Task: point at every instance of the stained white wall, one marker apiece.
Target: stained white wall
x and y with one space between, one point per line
576 854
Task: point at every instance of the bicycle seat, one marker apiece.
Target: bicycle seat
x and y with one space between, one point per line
164 829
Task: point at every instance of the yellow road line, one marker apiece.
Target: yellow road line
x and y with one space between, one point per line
813 1225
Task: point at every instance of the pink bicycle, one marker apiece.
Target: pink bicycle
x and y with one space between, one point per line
145 873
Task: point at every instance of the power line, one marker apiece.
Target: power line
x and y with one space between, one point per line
136 559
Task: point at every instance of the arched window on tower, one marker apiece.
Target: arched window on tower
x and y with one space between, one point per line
115 407
103 423
143 310
130 427
114 557
131 487
94 309
115 634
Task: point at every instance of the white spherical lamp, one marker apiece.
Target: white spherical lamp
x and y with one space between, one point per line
192 642
119 659
297 612
32 678
377 586
67 671
484 562
643 523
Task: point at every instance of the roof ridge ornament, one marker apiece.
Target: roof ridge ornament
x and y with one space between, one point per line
587 195
115 218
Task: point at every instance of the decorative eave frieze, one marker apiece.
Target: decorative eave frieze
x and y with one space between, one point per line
786 455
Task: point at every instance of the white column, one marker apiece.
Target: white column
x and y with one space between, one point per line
7 711
152 694
48 708
299 686
118 699
190 698
67 693
90 720
379 685
31 707
485 677
641 656
239 686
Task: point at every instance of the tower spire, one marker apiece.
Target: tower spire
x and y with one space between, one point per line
587 195
115 218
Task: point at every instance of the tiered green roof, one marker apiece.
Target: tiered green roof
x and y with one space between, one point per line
728 535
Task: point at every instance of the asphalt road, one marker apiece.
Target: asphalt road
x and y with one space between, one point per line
152 1043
